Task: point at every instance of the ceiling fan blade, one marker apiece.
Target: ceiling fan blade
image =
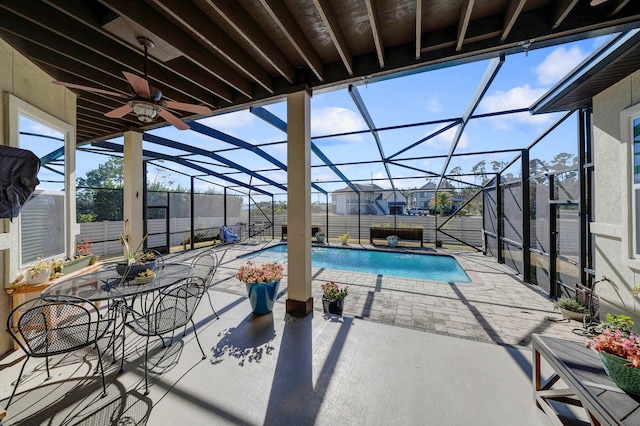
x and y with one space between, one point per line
119 112
198 109
89 89
179 124
139 84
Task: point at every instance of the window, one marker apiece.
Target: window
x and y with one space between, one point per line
635 148
44 223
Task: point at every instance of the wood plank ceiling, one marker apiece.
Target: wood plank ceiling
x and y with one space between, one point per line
231 54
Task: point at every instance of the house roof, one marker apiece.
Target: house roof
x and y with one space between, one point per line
231 55
611 63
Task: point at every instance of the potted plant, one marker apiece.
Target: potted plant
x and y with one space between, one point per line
620 322
320 237
333 297
39 272
144 277
571 308
137 260
392 240
620 355
344 238
262 282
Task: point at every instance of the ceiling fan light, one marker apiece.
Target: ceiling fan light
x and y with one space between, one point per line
596 2
144 111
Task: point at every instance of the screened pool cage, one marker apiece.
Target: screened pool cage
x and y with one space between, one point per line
531 214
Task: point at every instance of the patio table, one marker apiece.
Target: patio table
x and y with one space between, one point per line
588 385
107 285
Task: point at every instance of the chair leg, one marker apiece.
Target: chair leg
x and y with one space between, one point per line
211 304
17 381
195 332
104 387
146 360
46 362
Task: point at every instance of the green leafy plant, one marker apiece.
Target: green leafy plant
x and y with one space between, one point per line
571 304
331 291
137 256
624 323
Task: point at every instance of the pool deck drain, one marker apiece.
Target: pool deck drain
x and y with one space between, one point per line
498 307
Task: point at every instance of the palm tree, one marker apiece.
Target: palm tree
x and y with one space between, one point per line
440 201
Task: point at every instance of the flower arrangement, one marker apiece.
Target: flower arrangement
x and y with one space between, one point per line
619 344
83 247
252 273
331 291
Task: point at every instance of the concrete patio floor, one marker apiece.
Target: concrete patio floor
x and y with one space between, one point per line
406 352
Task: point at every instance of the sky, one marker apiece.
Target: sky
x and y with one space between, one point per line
440 94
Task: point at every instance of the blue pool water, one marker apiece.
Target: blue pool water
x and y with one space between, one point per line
408 265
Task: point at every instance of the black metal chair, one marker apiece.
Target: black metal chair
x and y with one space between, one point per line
205 266
55 326
167 311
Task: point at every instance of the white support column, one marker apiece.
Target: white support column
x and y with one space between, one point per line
133 188
299 299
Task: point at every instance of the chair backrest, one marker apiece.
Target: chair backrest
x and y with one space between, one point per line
53 326
205 265
175 307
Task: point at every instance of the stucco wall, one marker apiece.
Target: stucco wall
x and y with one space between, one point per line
612 225
21 78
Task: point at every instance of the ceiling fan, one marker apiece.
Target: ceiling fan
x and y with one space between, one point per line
146 103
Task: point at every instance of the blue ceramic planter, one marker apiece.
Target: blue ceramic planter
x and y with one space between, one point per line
262 296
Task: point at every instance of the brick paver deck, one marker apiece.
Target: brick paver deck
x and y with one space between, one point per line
498 307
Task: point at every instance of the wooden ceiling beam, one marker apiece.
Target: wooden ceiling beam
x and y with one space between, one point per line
333 27
511 16
418 28
97 50
372 12
561 10
209 35
237 18
463 22
163 28
279 13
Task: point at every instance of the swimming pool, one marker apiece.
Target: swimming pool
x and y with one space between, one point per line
407 265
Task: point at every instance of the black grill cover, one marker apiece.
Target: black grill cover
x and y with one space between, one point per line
18 178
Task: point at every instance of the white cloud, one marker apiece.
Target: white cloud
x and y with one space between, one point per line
331 120
518 97
229 122
558 64
433 104
442 142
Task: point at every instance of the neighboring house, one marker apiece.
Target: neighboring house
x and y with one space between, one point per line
421 197
373 200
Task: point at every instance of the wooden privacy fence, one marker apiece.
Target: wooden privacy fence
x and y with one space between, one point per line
104 235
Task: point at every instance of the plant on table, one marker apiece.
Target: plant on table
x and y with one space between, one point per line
618 343
137 256
620 322
619 351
